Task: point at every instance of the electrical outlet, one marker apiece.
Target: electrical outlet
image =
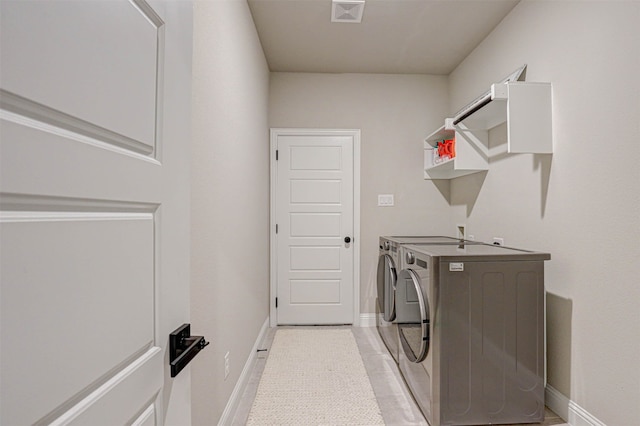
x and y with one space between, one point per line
461 231
497 241
226 365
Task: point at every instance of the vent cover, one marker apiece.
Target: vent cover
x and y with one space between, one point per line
349 11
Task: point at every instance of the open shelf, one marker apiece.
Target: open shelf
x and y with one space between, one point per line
471 153
525 107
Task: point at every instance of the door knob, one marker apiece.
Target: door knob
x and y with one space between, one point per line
347 240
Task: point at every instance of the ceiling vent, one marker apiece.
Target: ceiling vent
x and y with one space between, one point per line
349 11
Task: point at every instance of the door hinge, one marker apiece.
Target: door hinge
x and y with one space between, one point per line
276 155
276 228
276 302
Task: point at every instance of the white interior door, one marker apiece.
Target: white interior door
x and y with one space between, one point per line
314 214
94 122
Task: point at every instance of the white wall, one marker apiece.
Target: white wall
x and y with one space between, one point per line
583 203
394 114
230 198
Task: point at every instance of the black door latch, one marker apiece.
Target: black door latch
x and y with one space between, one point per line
183 347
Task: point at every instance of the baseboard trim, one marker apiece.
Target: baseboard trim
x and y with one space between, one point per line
367 320
578 416
557 402
570 412
234 400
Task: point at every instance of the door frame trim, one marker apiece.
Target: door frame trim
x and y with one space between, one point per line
273 252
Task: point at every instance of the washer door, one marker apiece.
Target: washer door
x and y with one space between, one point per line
386 287
413 317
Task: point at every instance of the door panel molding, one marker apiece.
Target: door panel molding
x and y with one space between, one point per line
147 11
113 261
354 134
105 404
41 203
117 44
32 114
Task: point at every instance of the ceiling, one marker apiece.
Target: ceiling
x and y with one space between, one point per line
395 36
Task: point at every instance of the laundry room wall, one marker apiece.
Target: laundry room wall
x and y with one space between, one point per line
230 199
582 203
394 114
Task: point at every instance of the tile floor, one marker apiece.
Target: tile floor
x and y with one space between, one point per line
396 404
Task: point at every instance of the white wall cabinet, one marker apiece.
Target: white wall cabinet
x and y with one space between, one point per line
525 107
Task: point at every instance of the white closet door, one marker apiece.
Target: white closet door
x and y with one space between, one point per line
94 128
315 213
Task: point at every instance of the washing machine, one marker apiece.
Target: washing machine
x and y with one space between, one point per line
470 330
389 264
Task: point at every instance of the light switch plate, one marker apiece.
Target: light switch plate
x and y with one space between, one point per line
385 200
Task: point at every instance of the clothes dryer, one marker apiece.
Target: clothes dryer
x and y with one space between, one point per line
470 322
389 264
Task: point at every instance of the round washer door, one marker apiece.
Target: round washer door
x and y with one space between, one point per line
412 316
386 287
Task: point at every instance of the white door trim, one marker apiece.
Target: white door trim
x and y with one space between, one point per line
273 280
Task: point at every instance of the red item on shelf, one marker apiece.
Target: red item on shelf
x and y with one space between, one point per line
447 148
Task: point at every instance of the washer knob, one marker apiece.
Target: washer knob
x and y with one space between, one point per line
386 245
410 258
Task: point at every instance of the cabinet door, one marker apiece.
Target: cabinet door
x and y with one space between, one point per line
529 118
